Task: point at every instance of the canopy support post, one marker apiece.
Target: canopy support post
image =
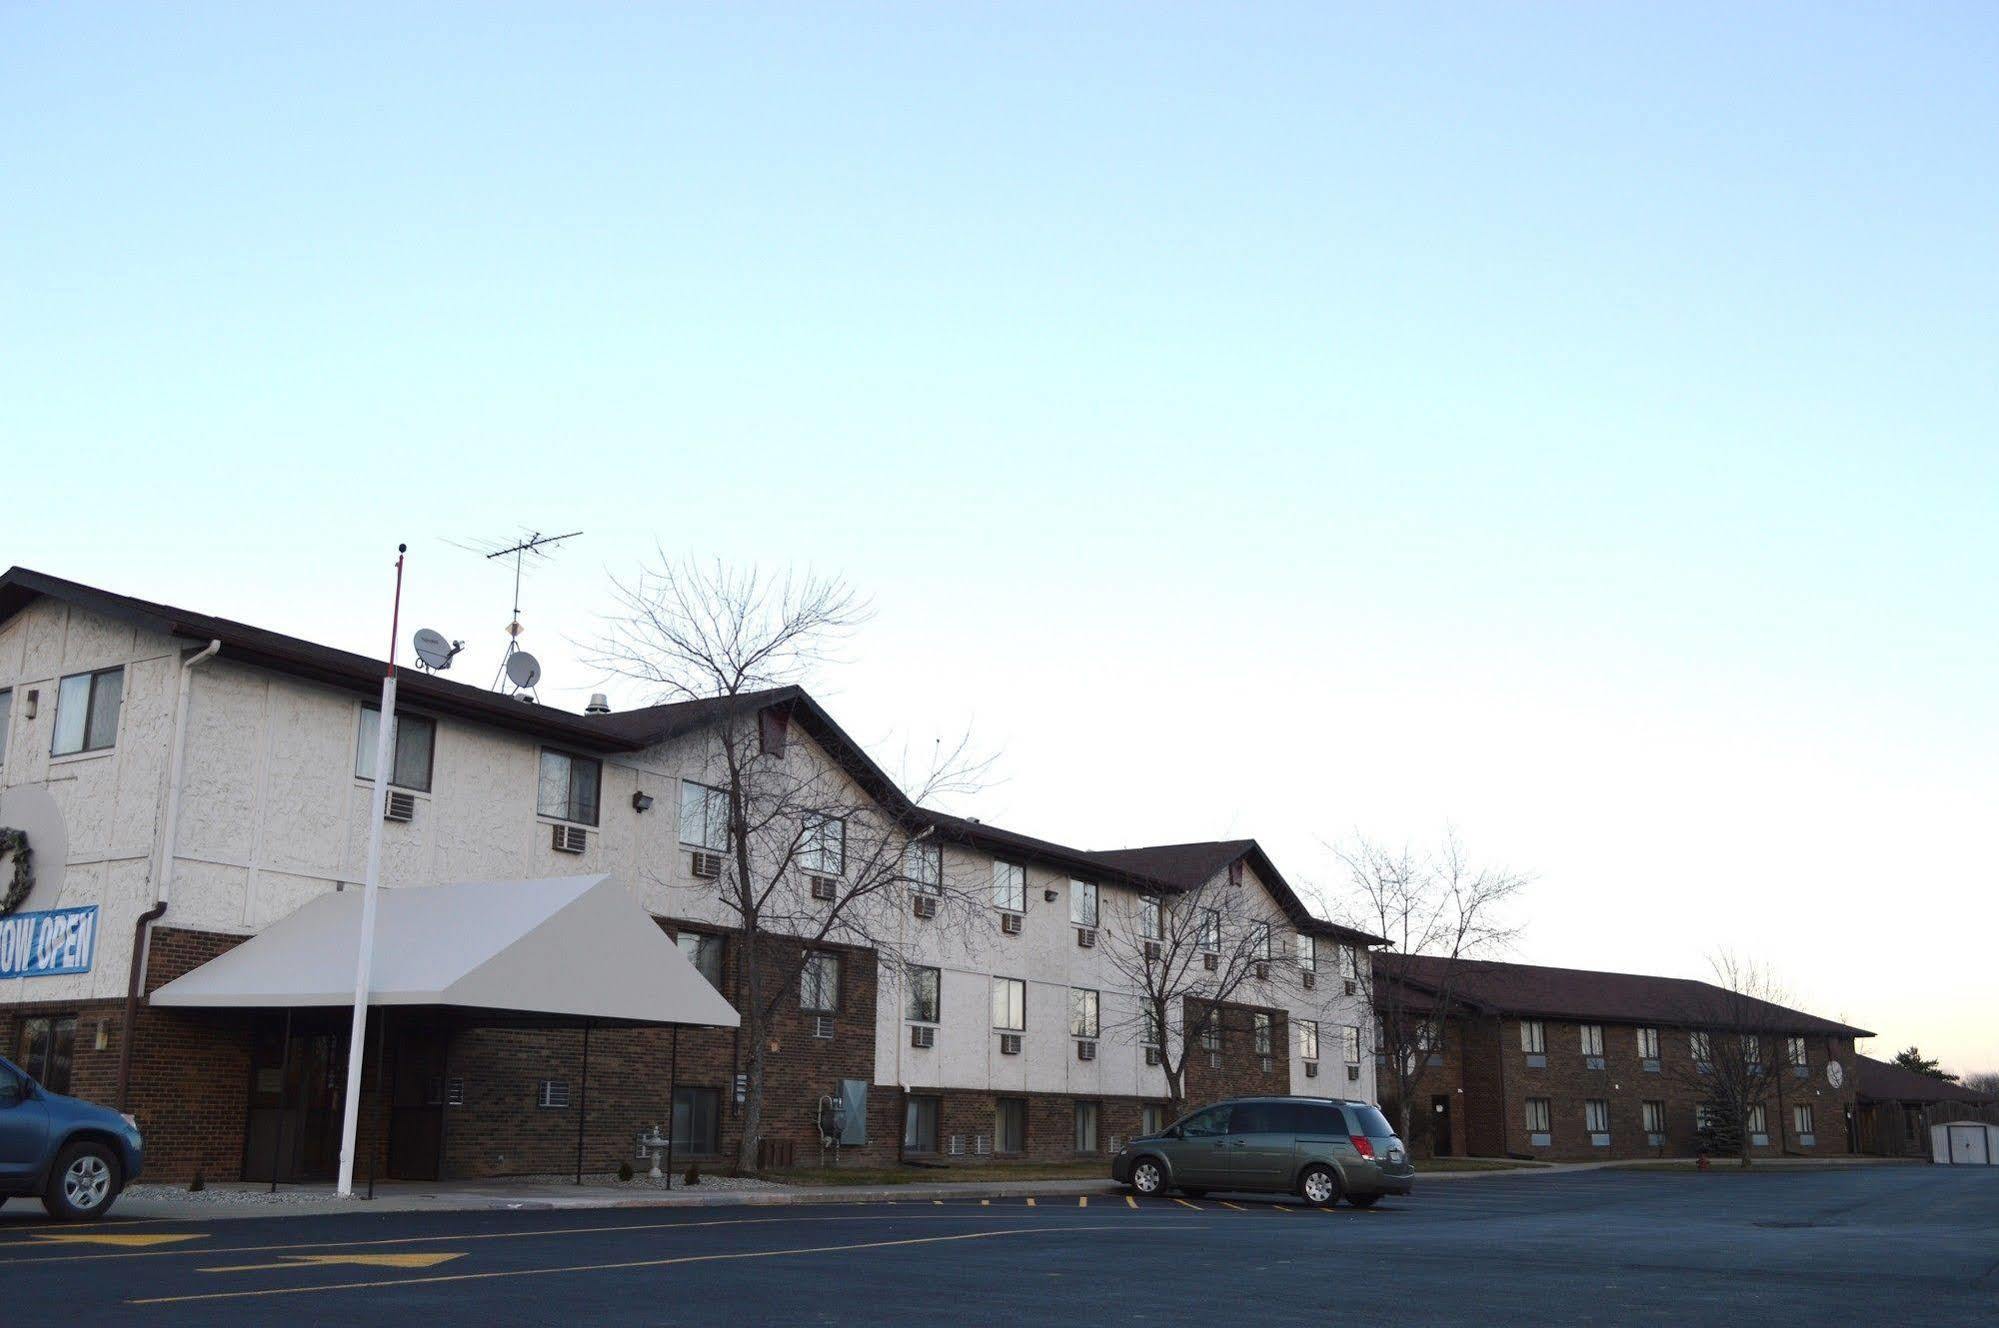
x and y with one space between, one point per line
381 1092
672 1092
583 1102
444 1108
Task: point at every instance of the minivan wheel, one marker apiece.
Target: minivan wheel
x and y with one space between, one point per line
1321 1186
1148 1177
82 1183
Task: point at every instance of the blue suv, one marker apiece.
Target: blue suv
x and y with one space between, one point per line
74 1154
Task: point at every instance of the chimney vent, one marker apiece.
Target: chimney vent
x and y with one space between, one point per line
599 704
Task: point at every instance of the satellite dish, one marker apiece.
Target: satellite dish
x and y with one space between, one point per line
523 669
434 650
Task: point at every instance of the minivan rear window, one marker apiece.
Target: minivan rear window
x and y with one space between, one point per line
1371 1122
1315 1118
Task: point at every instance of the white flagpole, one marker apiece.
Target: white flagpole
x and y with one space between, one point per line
385 730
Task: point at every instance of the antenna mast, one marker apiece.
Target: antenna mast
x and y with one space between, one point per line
517 667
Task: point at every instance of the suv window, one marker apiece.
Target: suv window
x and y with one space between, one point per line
1370 1122
1202 1124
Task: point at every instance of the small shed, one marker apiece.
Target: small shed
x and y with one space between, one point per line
1965 1142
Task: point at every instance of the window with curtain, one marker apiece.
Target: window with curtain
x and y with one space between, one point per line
1082 1012
1010 1005
1010 887
87 711
1351 1036
919 1124
1260 1026
411 749
696 1120
704 817
567 787
1083 903
705 953
48 1044
1308 1039
1151 923
819 983
1010 1125
925 988
923 868
822 847
1308 953
1087 1115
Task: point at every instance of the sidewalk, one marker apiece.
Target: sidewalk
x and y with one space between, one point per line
242 1199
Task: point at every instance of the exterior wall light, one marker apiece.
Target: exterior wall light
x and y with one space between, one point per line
641 802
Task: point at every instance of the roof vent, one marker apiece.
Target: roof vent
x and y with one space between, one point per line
600 704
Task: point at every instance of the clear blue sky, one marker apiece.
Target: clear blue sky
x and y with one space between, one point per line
1573 421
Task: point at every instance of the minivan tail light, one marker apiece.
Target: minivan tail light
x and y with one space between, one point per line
1361 1145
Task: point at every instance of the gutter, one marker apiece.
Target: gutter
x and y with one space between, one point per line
142 931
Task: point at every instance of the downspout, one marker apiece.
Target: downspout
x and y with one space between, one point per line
142 932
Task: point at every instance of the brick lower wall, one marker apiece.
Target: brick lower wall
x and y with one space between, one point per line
1240 1072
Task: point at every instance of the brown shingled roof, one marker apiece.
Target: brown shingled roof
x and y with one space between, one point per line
1589 994
1885 1081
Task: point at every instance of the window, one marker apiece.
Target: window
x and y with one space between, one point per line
1533 1037
1648 1044
1308 953
704 817
1596 1116
411 748
697 1114
48 1043
1801 1119
1151 1034
1592 1035
1211 1032
1260 941
819 983
1260 1025
1087 1114
1150 922
1655 1117
919 1124
705 953
1082 1013
1207 1124
87 711
1083 903
822 845
1702 1047
1235 872
1756 1121
1010 1004
6 720
1151 1118
1351 1036
1308 1039
1010 887
1752 1049
1010 1125
1211 929
552 1093
1426 1036
567 789
1537 1115
1794 1054
924 995
923 868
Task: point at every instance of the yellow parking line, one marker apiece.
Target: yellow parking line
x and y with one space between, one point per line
1082 1201
621 1266
1030 1201
1280 1208
985 1203
1130 1202
1226 1204
1184 1204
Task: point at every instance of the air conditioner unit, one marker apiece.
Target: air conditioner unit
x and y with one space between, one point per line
957 1145
922 1036
1010 923
1592 1062
1009 1044
1211 961
1086 1050
401 806
1309 979
822 1026
1086 936
1352 987
1262 972
1152 951
923 906
1117 1143
1311 1069
823 888
1353 1073
982 1145
569 839
1152 1056
1214 1060
705 866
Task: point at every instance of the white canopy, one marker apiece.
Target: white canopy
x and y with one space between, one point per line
573 946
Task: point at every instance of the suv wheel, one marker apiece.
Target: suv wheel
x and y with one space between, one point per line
1148 1177
1321 1186
82 1184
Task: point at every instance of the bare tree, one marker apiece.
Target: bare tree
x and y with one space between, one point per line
1185 958
1984 1081
1738 1052
1435 910
806 859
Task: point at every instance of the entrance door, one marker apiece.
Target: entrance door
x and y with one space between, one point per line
1440 1126
294 1125
416 1114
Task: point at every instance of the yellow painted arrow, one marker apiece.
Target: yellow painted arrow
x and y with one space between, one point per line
364 1260
116 1238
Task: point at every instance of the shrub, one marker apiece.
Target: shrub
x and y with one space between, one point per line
693 1176
624 1171
197 1185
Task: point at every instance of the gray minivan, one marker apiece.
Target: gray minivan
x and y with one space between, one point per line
1324 1149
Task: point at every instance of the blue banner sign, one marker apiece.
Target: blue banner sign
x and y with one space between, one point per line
45 945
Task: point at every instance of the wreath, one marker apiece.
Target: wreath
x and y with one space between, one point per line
16 842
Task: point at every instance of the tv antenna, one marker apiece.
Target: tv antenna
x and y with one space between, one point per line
521 670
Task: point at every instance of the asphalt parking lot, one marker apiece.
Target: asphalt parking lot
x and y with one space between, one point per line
1848 1246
